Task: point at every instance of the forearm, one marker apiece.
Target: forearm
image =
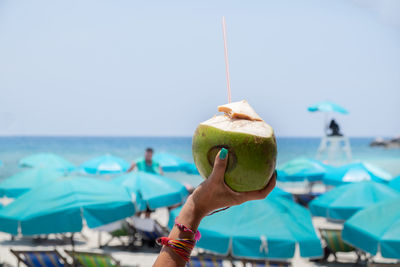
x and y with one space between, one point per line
190 216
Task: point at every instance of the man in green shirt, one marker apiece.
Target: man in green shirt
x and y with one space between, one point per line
147 164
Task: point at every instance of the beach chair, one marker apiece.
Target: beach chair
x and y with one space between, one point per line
266 263
377 264
149 230
92 259
334 242
205 261
117 230
42 258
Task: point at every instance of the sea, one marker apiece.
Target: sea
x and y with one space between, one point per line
79 149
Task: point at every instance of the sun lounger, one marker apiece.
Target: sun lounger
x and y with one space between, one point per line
91 259
267 263
205 261
376 264
49 258
334 243
149 229
117 230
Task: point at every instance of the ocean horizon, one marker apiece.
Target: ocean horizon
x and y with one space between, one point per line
78 149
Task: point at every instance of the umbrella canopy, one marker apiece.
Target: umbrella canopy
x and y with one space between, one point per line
62 205
26 180
344 201
107 164
155 191
301 169
356 172
277 192
377 227
171 163
327 106
268 228
395 183
46 160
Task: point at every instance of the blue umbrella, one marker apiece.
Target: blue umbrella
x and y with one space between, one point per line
106 164
46 160
301 169
356 172
62 205
277 192
376 228
26 180
172 163
155 191
395 183
1 163
344 201
268 228
327 106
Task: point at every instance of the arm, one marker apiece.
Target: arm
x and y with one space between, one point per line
161 171
198 205
133 166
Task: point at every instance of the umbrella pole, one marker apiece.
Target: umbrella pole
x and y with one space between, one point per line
72 242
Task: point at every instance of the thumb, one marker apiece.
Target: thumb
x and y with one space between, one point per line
220 163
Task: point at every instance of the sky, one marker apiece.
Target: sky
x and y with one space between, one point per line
156 68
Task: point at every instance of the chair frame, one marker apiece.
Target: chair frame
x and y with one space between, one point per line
71 254
17 254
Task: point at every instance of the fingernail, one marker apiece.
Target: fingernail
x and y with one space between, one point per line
223 153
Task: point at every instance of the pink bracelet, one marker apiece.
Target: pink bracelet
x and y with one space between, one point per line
182 227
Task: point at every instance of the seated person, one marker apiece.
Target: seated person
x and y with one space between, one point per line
147 164
334 127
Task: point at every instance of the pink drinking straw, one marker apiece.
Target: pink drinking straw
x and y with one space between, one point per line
226 59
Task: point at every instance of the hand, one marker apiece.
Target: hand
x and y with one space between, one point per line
214 193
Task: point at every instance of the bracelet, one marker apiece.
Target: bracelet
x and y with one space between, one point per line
182 247
197 234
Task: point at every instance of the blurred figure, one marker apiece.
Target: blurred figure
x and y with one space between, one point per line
335 129
147 164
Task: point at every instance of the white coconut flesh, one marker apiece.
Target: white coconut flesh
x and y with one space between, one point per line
233 120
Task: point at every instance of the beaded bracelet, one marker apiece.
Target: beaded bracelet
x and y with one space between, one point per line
182 247
197 234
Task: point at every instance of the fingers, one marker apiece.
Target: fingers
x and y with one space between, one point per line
221 161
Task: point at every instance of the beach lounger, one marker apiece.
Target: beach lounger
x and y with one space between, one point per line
377 264
117 230
334 242
149 229
92 259
267 263
43 258
204 261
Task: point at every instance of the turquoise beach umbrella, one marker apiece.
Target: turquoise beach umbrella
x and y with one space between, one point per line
301 169
344 201
62 205
376 228
155 191
268 228
277 192
327 106
23 181
356 172
172 163
107 164
395 183
46 160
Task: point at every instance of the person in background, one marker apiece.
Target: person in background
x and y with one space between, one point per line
147 164
335 129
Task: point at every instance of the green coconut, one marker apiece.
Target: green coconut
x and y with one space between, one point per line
250 142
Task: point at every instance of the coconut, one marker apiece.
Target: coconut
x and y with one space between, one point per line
250 142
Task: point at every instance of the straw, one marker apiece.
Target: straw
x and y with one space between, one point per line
226 59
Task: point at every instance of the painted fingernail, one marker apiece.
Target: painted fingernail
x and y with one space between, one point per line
223 153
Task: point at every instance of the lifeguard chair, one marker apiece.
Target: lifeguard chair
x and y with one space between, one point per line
334 146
